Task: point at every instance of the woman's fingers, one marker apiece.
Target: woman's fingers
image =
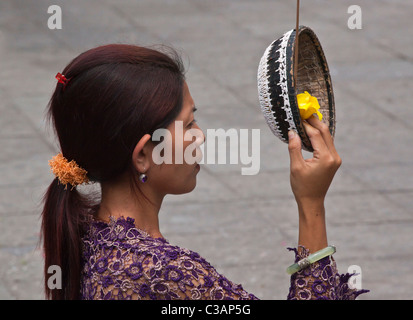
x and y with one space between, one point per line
325 132
317 141
322 142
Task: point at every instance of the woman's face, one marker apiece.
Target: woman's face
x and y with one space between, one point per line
180 153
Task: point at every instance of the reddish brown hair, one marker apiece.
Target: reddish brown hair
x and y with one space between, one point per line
115 95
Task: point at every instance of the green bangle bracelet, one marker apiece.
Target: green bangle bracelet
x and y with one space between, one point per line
316 256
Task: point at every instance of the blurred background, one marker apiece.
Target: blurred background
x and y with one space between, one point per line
241 224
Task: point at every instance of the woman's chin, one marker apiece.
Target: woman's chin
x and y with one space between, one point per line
187 188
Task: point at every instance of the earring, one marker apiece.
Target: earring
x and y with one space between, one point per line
143 177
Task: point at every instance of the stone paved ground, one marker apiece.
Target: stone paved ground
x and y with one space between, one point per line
241 224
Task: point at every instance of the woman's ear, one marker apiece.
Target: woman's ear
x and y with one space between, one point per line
141 154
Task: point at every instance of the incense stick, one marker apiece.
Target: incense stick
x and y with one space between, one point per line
297 25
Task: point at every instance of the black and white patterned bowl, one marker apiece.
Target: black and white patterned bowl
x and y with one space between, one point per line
278 91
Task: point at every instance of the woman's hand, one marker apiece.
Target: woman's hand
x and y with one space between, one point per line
310 180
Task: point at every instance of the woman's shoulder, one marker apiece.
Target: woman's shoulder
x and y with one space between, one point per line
121 237
118 232
120 250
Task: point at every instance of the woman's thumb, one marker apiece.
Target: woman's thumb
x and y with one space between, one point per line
294 147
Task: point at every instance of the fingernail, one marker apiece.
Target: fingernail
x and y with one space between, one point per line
291 134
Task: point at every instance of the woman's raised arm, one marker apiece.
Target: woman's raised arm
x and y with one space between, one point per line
310 180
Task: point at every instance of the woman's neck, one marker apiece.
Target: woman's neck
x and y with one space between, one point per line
119 200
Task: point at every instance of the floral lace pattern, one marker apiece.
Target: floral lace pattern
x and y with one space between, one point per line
123 262
320 281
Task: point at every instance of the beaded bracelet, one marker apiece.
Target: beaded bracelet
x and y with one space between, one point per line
316 256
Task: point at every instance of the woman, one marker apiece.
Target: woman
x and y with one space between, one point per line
107 104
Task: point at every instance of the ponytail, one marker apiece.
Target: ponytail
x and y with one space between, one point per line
64 212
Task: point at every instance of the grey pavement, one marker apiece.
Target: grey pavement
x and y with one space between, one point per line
241 224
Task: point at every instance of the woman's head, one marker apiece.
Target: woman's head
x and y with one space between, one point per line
171 165
117 96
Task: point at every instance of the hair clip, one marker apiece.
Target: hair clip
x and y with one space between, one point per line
62 79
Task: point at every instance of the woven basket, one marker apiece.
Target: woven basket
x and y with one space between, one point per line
278 91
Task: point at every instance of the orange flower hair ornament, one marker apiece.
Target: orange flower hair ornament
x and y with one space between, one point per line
67 172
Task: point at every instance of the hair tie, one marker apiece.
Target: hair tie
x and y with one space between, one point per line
62 79
68 172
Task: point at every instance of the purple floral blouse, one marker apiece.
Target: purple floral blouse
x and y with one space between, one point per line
123 262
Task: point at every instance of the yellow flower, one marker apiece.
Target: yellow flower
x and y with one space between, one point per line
308 105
